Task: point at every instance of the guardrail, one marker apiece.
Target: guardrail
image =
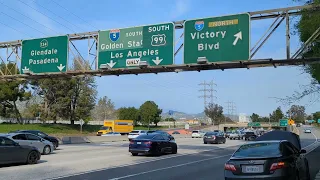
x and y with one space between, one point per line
101 139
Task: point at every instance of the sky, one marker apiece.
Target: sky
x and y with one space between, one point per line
252 91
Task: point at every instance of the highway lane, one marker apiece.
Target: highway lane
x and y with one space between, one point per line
203 165
81 158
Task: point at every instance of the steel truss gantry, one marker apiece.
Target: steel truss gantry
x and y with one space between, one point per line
12 50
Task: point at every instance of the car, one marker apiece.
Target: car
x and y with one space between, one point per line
153 144
214 137
175 132
28 139
112 134
136 133
274 155
197 134
235 135
52 139
307 131
228 134
249 136
11 152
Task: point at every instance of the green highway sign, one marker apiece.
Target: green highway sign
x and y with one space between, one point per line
130 47
217 39
45 55
254 124
283 122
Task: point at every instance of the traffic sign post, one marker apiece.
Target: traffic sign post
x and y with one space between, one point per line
45 55
283 122
81 124
217 39
130 47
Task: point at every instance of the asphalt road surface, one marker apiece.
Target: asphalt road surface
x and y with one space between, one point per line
194 160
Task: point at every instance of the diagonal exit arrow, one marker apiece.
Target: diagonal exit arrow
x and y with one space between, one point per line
238 36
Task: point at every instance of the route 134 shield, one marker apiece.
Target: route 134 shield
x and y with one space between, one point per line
114 35
198 25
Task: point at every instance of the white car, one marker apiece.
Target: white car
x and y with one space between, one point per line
197 134
112 134
307 131
27 139
136 133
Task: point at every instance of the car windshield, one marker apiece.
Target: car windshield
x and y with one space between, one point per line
263 149
211 134
104 128
134 132
195 131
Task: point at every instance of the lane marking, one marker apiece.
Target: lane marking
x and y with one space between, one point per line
175 166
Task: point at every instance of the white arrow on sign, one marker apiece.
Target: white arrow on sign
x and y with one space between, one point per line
111 64
25 69
157 61
238 36
61 67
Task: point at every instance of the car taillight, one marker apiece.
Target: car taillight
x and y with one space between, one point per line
230 167
148 143
277 165
131 142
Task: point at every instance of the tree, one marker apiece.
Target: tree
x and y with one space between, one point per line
297 113
255 117
306 26
309 117
316 115
11 92
68 98
104 109
276 115
215 113
130 113
149 112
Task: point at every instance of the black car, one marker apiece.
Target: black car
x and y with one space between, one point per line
214 137
11 152
274 155
153 143
249 136
175 132
52 139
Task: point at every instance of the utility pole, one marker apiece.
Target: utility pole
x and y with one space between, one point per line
231 109
208 92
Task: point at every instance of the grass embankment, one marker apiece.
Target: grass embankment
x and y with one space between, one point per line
61 129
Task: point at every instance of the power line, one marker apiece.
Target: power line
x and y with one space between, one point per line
46 15
16 30
231 109
58 15
73 13
29 17
23 23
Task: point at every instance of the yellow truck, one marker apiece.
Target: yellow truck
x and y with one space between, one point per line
119 126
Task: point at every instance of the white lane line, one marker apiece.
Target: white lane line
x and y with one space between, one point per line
175 166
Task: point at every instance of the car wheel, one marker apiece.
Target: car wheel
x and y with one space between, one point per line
46 150
224 141
192 137
32 157
174 150
134 154
204 142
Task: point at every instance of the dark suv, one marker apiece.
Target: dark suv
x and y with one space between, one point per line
249 136
52 139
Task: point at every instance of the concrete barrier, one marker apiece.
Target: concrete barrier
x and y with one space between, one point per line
100 139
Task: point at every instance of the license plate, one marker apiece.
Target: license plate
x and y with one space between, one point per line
138 142
252 169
